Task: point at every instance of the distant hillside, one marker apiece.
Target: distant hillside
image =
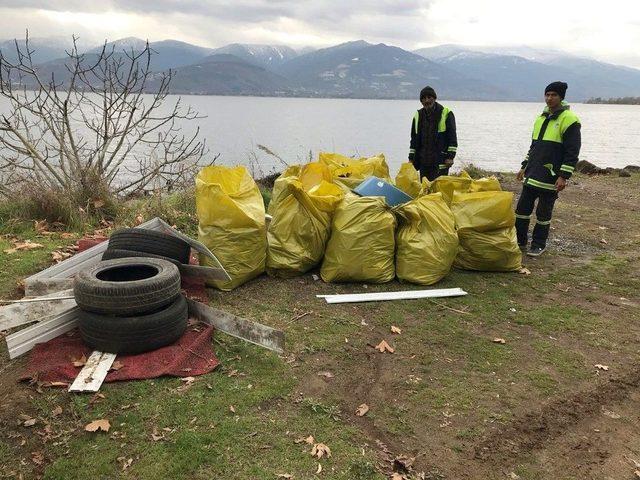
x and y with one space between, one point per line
525 78
225 74
615 101
45 49
267 56
360 69
166 53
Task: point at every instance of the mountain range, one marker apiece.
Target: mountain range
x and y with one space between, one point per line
360 69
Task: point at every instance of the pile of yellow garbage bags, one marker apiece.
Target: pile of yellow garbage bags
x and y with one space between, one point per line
316 220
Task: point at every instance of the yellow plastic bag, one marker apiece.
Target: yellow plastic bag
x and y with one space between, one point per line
485 184
448 185
280 185
408 180
362 243
352 171
483 211
426 240
231 222
486 231
494 251
300 228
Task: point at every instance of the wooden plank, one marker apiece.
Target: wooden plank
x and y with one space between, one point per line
93 373
21 342
22 313
401 295
238 327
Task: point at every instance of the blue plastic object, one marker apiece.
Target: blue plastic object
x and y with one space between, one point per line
376 187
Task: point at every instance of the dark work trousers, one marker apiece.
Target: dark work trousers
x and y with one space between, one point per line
432 172
546 199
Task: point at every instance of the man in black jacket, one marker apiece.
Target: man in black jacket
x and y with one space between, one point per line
549 164
433 137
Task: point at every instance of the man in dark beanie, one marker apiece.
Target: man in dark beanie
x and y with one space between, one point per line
547 167
433 137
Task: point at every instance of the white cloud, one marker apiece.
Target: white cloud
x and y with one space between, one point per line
608 31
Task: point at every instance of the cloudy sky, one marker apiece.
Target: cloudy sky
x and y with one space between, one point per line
608 30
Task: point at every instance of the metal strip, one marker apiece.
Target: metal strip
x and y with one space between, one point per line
402 295
93 373
238 327
21 342
46 286
22 313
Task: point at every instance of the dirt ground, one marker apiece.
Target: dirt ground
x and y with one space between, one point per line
449 403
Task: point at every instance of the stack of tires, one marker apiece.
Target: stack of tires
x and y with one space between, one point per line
130 302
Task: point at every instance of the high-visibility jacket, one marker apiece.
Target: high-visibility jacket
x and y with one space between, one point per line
446 140
554 150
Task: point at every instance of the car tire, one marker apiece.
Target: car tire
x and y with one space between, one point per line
150 241
137 333
127 286
111 253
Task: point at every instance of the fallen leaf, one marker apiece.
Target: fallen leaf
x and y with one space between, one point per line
285 475
102 424
403 464
98 203
79 362
58 256
610 414
383 346
57 411
37 458
139 219
319 469
637 473
320 450
155 435
117 365
397 476
326 374
30 422
41 226
524 271
395 330
232 409
126 463
362 410
26 245
602 367
499 340
603 241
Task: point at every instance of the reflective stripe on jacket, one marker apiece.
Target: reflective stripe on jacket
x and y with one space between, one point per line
554 150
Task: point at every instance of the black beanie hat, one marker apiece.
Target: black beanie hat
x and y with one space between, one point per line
559 87
427 92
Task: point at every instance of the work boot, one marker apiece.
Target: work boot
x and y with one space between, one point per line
536 251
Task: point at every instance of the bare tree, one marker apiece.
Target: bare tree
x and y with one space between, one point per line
100 123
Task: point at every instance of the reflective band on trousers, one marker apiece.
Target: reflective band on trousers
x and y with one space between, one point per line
542 222
523 217
536 183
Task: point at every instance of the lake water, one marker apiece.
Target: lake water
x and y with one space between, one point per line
491 135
